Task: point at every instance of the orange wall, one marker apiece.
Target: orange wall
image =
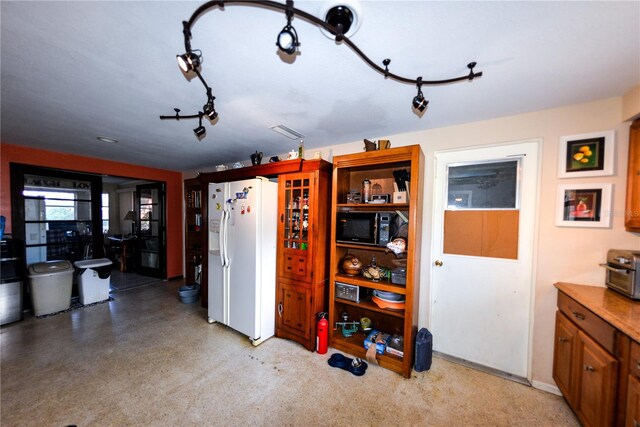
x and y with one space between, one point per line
30 156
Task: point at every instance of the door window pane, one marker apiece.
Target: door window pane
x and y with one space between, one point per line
105 212
489 185
57 218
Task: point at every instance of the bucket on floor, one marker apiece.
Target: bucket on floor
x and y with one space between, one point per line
189 293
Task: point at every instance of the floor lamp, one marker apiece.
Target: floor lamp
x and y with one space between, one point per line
131 216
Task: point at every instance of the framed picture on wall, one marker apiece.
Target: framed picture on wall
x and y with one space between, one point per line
584 205
588 154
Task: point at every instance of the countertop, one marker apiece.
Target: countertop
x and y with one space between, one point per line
619 311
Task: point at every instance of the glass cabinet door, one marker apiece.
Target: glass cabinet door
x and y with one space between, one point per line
297 220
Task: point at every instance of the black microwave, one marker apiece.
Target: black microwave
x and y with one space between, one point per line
365 228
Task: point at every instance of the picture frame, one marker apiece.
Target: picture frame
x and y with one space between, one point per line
584 205
586 155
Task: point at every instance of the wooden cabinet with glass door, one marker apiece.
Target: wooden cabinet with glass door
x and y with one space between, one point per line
303 202
381 169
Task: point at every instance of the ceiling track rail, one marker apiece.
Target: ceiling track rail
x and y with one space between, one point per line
194 60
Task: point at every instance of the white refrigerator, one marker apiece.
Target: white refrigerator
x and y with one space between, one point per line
242 256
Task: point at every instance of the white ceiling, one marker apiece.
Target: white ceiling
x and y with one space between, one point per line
72 71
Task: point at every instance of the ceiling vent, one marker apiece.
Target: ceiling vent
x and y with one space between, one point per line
286 131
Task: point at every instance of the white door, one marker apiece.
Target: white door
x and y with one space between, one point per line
481 278
244 308
216 274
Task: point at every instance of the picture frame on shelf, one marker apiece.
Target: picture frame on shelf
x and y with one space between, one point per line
586 155
584 205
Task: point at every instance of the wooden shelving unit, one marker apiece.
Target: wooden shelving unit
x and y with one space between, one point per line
348 173
194 230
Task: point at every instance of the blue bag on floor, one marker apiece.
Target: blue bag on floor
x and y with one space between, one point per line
424 350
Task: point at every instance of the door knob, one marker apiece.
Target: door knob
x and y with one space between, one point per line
438 263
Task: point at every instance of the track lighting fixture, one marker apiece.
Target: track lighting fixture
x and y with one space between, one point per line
336 22
209 109
419 103
288 38
188 61
200 131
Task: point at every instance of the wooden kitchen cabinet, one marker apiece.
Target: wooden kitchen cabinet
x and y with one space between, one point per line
594 354
633 403
564 355
633 391
596 374
349 172
585 374
302 261
632 211
294 311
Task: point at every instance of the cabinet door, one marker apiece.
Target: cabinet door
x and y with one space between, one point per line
633 403
563 355
294 303
597 373
297 205
632 211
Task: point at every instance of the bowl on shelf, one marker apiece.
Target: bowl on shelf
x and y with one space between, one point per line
388 296
389 305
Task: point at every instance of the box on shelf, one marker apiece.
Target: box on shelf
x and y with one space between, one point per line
400 197
379 338
396 345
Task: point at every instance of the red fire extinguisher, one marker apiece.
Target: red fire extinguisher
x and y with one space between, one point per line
322 339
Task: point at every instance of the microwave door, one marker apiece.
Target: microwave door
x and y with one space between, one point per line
357 228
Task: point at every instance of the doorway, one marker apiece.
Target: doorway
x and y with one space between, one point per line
74 216
483 245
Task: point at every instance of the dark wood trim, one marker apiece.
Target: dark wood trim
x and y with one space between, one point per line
268 170
19 170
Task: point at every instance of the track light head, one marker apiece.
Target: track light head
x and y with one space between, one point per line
288 40
210 111
200 131
188 61
419 103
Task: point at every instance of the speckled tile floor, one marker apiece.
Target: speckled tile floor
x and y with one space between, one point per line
147 359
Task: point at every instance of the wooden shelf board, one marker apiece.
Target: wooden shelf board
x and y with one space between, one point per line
366 283
354 345
373 206
368 305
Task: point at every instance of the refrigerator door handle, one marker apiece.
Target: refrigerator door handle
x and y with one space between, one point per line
225 262
221 237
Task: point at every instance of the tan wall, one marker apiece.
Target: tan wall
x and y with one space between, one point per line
563 254
631 104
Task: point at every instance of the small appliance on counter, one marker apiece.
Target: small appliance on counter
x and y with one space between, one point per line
623 272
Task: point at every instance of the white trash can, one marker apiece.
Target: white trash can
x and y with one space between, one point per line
94 277
50 285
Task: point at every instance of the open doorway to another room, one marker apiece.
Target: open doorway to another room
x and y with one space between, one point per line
74 216
135 240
